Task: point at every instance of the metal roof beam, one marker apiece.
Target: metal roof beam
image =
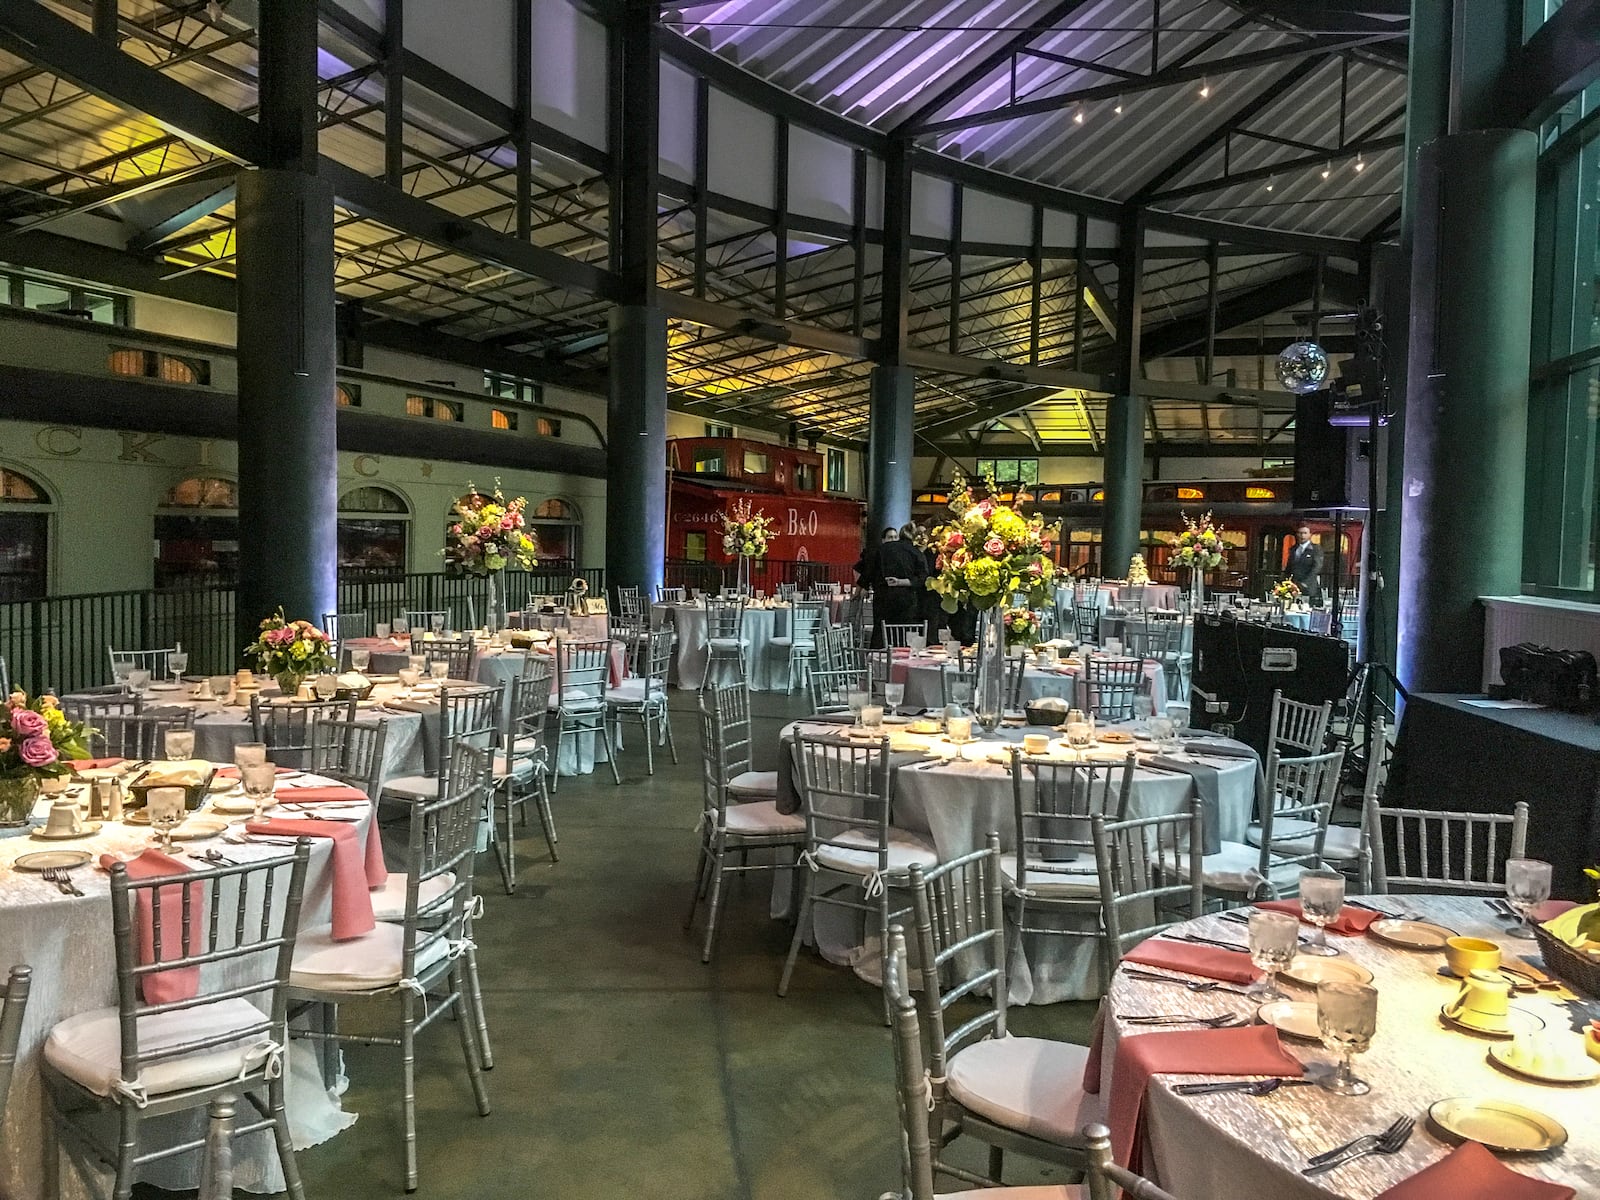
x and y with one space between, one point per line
1355 149
161 231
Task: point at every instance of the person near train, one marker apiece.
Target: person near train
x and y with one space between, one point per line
898 575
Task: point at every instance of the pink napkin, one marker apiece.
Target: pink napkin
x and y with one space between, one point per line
354 872
233 772
93 764
1551 909
1350 922
1213 962
1245 1050
179 983
1470 1172
338 794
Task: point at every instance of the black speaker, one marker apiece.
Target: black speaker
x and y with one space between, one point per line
1239 664
1321 456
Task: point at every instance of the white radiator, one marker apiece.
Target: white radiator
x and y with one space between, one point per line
1561 624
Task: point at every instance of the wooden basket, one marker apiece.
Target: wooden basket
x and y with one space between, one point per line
1578 971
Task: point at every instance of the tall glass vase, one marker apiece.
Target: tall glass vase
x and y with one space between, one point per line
1197 589
742 580
988 702
495 618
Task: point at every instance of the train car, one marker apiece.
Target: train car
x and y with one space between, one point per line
707 475
1258 521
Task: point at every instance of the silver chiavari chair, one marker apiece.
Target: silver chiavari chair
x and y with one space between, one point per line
669 595
5 677
978 1068
1150 874
1161 642
898 637
340 626
1335 847
467 716
1112 684
1460 853
1298 728
175 1044
643 697
455 653
958 682
93 709
733 820
807 619
725 640
287 726
140 736
1086 623
15 1000
1287 840
421 960
349 753
830 690
154 661
421 619
583 674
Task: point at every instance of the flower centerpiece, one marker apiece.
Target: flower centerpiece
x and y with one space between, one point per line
1286 592
486 535
1021 627
987 554
1138 573
36 743
747 532
1198 547
290 650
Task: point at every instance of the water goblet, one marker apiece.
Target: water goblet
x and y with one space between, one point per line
1143 707
138 680
893 695
408 678
1164 731
326 686
857 701
417 662
872 718
360 660
259 779
1274 938
1347 1017
437 623
916 642
439 671
248 754
1527 887
178 663
1321 900
121 669
1080 736
382 629
165 805
179 744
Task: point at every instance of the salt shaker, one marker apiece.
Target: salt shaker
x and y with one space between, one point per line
97 807
114 800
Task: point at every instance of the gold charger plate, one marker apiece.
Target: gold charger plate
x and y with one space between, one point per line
85 829
1497 1124
50 860
1308 970
1295 1018
1410 935
1588 1068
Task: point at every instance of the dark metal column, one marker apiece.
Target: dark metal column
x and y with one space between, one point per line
636 410
1467 401
892 417
288 462
1125 415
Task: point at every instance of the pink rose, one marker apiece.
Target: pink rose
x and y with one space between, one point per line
37 752
994 547
26 723
1036 568
955 541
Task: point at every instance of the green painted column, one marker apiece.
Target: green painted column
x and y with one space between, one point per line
1124 459
636 449
889 448
1467 399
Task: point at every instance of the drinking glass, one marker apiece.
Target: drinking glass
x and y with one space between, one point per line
916 642
121 669
1179 712
138 680
178 663
259 780
382 629
1143 707
248 754
1274 938
893 695
437 622
417 662
408 677
1347 1017
360 660
1321 899
325 686
1527 887
857 701
439 671
872 718
1080 736
179 744
165 805
1165 733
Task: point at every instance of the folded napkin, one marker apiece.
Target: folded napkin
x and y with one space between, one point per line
178 983
1211 961
93 764
1219 749
233 772
1470 1172
1551 909
1350 922
1243 1050
1207 787
355 871
336 794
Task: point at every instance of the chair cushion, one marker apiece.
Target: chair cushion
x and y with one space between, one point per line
904 850
518 768
1084 881
1342 843
413 787
635 691
389 901
585 705
761 817
1029 1084
721 643
1065 1191
1235 868
367 963
758 784
803 646
87 1048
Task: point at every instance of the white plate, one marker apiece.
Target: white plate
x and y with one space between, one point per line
1585 1069
239 803
1295 1018
165 687
1308 970
85 829
1410 935
46 860
198 829
1518 1020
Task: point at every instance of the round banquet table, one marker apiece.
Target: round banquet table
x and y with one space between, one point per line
1256 1147
957 803
1113 625
766 666
1156 595
920 674
67 941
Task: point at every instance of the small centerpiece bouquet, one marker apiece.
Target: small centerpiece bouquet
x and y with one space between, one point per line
1286 592
291 650
36 743
488 534
746 531
988 552
1199 545
1137 572
1021 627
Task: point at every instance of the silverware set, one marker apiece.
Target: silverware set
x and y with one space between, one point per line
1193 985
63 881
1247 1087
1222 1021
1503 910
1205 941
1387 1142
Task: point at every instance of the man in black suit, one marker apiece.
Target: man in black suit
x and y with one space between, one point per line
898 580
1305 565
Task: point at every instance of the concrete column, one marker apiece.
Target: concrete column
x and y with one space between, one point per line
636 449
889 448
1467 399
1124 459
288 459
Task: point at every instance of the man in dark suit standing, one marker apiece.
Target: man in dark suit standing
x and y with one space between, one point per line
1305 565
897 582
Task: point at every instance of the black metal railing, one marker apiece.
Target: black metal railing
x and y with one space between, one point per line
59 642
765 574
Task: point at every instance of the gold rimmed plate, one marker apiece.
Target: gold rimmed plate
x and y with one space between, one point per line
1308 970
1498 1124
198 829
52 860
1581 1070
1292 1018
84 829
1410 935
1518 1020
240 803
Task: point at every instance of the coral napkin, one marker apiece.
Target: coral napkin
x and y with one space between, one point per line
1350 922
178 983
1245 1050
354 871
1213 962
233 772
1469 1172
1551 909
93 764
335 794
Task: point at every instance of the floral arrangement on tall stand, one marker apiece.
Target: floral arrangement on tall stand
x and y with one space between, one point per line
1138 573
987 555
486 535
1286 592
36 743
747 533
1021 627
1199 548
289 651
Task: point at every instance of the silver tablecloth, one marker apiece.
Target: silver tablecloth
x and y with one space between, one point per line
766 665
920 674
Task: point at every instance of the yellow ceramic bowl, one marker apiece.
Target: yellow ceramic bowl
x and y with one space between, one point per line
1464 955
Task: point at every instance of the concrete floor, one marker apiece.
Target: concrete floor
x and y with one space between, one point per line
623 1066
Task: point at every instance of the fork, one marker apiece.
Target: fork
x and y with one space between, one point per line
1257 1087
1368 1143
1194 985
62 880
1217 1022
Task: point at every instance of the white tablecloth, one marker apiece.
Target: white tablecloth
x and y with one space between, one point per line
766 665
67 941
920 674
1256 1147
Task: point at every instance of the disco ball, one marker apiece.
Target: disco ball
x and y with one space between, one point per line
1302 367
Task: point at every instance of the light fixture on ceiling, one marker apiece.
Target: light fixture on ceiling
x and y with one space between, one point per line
1118 108
1205 89
1361 163
213 10
1077 115
1269 187
1327 170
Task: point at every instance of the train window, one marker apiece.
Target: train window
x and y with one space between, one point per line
371 500
501 418
1098 496
555 524
710 462
756 463
439 410
24 537
1009 470
694 546
372 531
202 492
347 395
805 477
1191 493
1255 492
836 481
153 364
197 538
547 427
718 431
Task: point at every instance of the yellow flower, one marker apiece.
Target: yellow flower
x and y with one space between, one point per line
983 577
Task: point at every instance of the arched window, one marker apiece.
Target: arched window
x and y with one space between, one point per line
555 523
555 510
373 522
203 491
197 533
24 537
